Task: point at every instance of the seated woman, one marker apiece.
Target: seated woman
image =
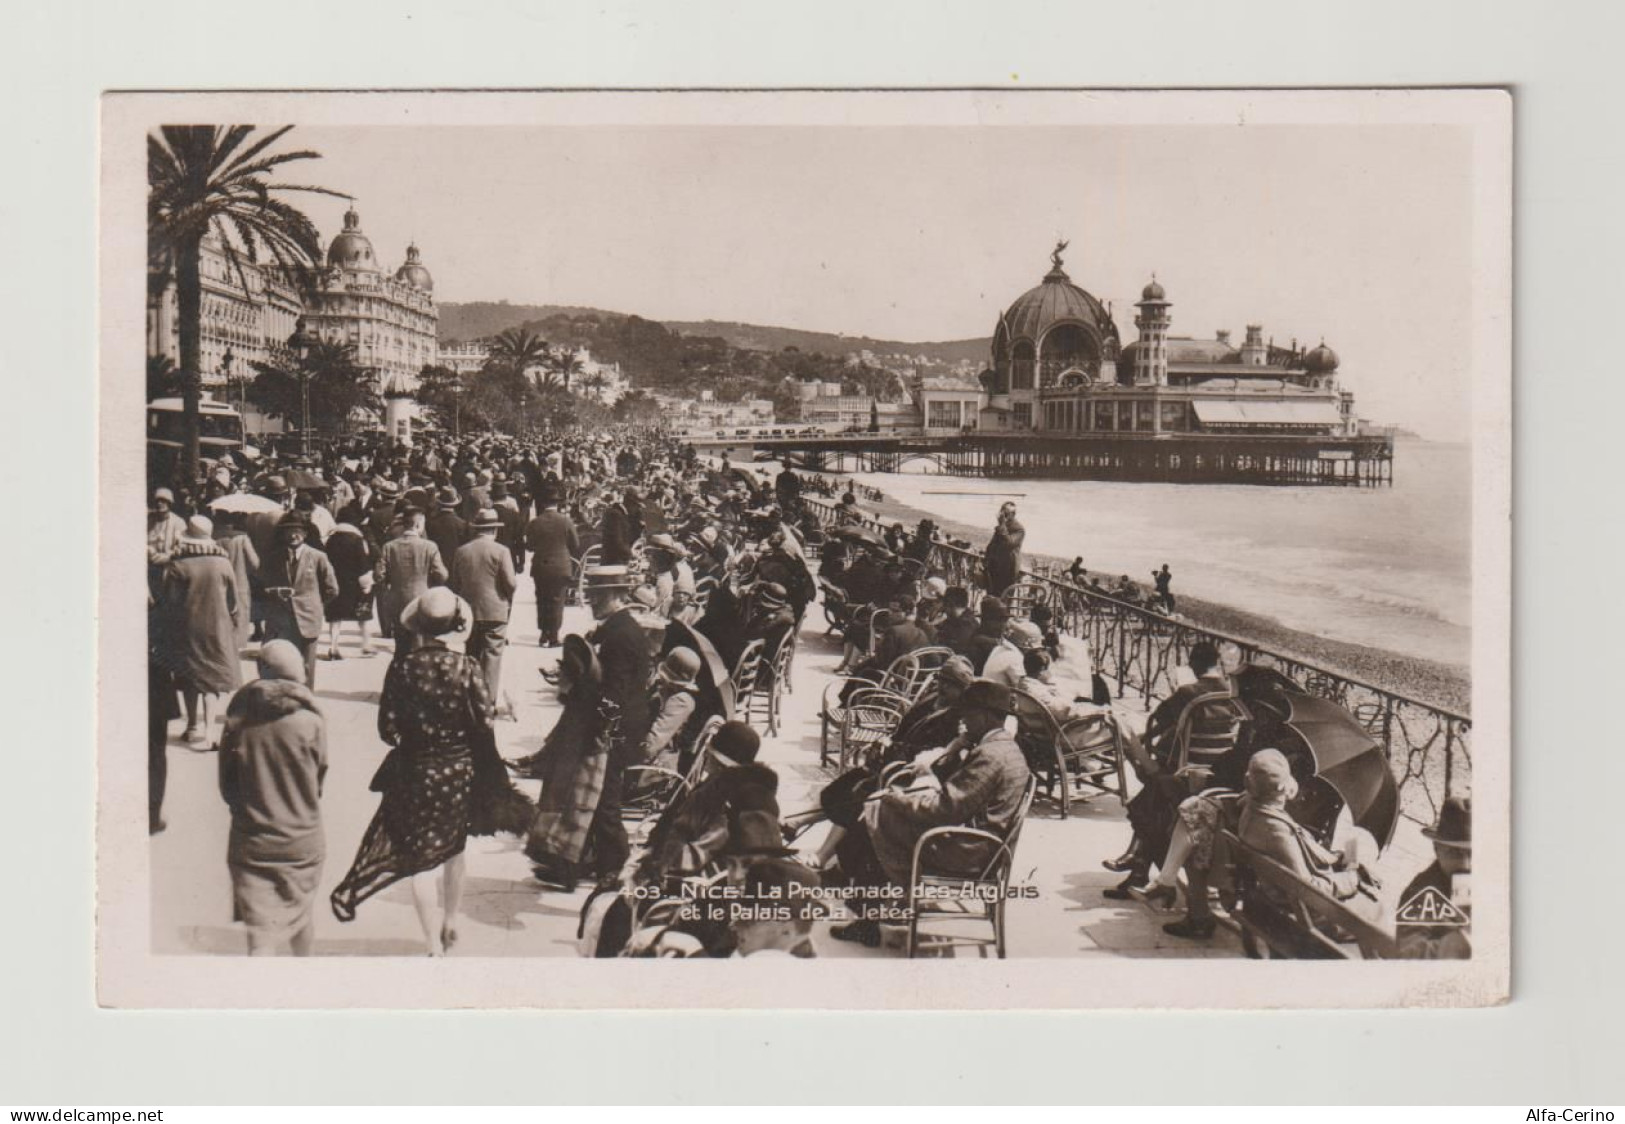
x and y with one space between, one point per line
693 831
674 728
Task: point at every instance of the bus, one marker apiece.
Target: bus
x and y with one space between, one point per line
220 427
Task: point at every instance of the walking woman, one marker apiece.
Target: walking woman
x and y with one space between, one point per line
1003 558
353 562
199 607
436 783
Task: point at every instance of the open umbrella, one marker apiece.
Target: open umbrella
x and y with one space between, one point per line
1349 760
716 680
246 502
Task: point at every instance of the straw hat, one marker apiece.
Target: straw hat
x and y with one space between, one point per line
487 517
608 578
436 613
1024 635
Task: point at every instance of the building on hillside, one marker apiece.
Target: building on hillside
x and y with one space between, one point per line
1058 367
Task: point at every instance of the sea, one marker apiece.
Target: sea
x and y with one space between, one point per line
1386 567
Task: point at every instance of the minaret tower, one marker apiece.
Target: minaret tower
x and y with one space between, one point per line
1151 354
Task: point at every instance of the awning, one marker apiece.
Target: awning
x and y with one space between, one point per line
1230 412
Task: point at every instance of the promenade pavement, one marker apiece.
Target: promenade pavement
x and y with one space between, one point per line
506 913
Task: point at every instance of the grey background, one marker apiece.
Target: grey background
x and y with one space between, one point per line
1556 1043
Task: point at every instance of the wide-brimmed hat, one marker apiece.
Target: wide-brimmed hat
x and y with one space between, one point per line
607 578
199 528
680 668
164 494
387 488
756 834
1455 826
736 744
487 517
447 497
985 694
436 613
275 486
293 521
935 588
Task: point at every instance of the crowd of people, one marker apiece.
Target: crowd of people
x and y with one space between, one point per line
685 564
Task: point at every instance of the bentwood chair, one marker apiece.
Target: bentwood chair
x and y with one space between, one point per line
961 900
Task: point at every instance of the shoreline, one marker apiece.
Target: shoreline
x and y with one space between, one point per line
1432 681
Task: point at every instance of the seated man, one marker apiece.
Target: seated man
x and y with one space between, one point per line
694 830
989 633
957 626
1172 771
979 782
1448 875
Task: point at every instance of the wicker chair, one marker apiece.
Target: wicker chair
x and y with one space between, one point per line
589 558
959 899
867 720
751 694
1021 597
910 672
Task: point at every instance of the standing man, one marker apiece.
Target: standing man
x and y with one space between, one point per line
1003 557
299 582
445 527
1164 580
623 653
512 532
407 567
553 543
482 574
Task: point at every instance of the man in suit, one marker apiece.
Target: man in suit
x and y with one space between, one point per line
482 574
407 567
628 666
552 540
445 527
299 582
980 782
512 532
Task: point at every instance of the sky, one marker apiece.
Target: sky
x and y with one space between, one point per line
1358 235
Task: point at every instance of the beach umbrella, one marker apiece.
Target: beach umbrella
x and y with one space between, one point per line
716 678
298 478
247 503
1349 760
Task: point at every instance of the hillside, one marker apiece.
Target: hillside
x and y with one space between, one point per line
487 318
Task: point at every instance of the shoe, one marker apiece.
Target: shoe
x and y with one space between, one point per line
554 879
865 932
1160 897
197 740
1191 928
1124 890
156 826
1123 863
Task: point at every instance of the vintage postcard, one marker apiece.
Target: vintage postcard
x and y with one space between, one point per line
939 549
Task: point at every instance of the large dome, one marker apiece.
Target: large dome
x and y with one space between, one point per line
1321 361
352 249
1057 300
414 272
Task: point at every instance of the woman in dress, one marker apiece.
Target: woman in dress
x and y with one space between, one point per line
572 765
437 782
1003 558
199 610
352 560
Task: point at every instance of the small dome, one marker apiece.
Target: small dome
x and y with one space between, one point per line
1321 361
414 272
352 249
1054 301
1153 292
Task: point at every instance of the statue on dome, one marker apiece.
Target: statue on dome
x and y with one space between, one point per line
1055 254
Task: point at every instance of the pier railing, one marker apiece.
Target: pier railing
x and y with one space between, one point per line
1428 747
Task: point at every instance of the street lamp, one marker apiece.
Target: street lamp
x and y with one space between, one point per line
225 369
300 344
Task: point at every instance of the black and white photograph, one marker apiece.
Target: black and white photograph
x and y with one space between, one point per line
1034 549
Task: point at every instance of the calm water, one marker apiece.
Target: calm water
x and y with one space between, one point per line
1386 567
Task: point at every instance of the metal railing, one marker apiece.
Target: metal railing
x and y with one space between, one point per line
1428 747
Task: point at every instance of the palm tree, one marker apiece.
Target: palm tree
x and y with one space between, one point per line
594 385
518 350
567 367
218 180
338 386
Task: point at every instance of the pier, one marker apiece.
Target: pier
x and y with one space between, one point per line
1262 459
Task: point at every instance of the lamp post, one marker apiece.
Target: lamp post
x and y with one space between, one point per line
225 369
300 344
